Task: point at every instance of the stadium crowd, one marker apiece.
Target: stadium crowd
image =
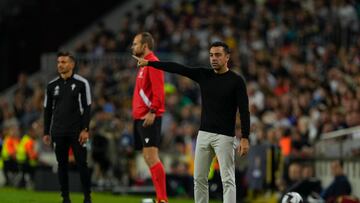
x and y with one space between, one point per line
300 59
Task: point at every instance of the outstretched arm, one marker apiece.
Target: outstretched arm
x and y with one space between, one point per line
172 67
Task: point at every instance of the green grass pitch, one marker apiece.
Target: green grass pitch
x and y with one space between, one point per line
11 195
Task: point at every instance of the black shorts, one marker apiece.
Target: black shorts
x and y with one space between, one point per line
147 136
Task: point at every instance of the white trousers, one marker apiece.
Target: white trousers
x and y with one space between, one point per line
207 146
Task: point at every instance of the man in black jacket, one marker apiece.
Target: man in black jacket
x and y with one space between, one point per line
66 122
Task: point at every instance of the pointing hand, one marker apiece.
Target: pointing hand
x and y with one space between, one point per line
140 61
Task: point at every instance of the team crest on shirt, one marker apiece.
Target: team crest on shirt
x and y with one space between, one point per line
73 87
56 90
147 140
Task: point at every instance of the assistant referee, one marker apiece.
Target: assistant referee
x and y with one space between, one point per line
66 122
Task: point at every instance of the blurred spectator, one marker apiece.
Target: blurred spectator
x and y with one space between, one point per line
308 185
99 154
22 86
294 174
339 186
8 154
27 155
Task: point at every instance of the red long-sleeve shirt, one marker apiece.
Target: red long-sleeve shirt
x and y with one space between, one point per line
149 90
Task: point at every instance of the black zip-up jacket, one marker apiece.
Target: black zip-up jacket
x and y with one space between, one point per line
67 106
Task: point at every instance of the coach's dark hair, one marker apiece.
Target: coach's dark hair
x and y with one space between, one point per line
220 44
68 54
147 38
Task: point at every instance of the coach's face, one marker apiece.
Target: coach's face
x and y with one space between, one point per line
137 47
65 64
218 58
